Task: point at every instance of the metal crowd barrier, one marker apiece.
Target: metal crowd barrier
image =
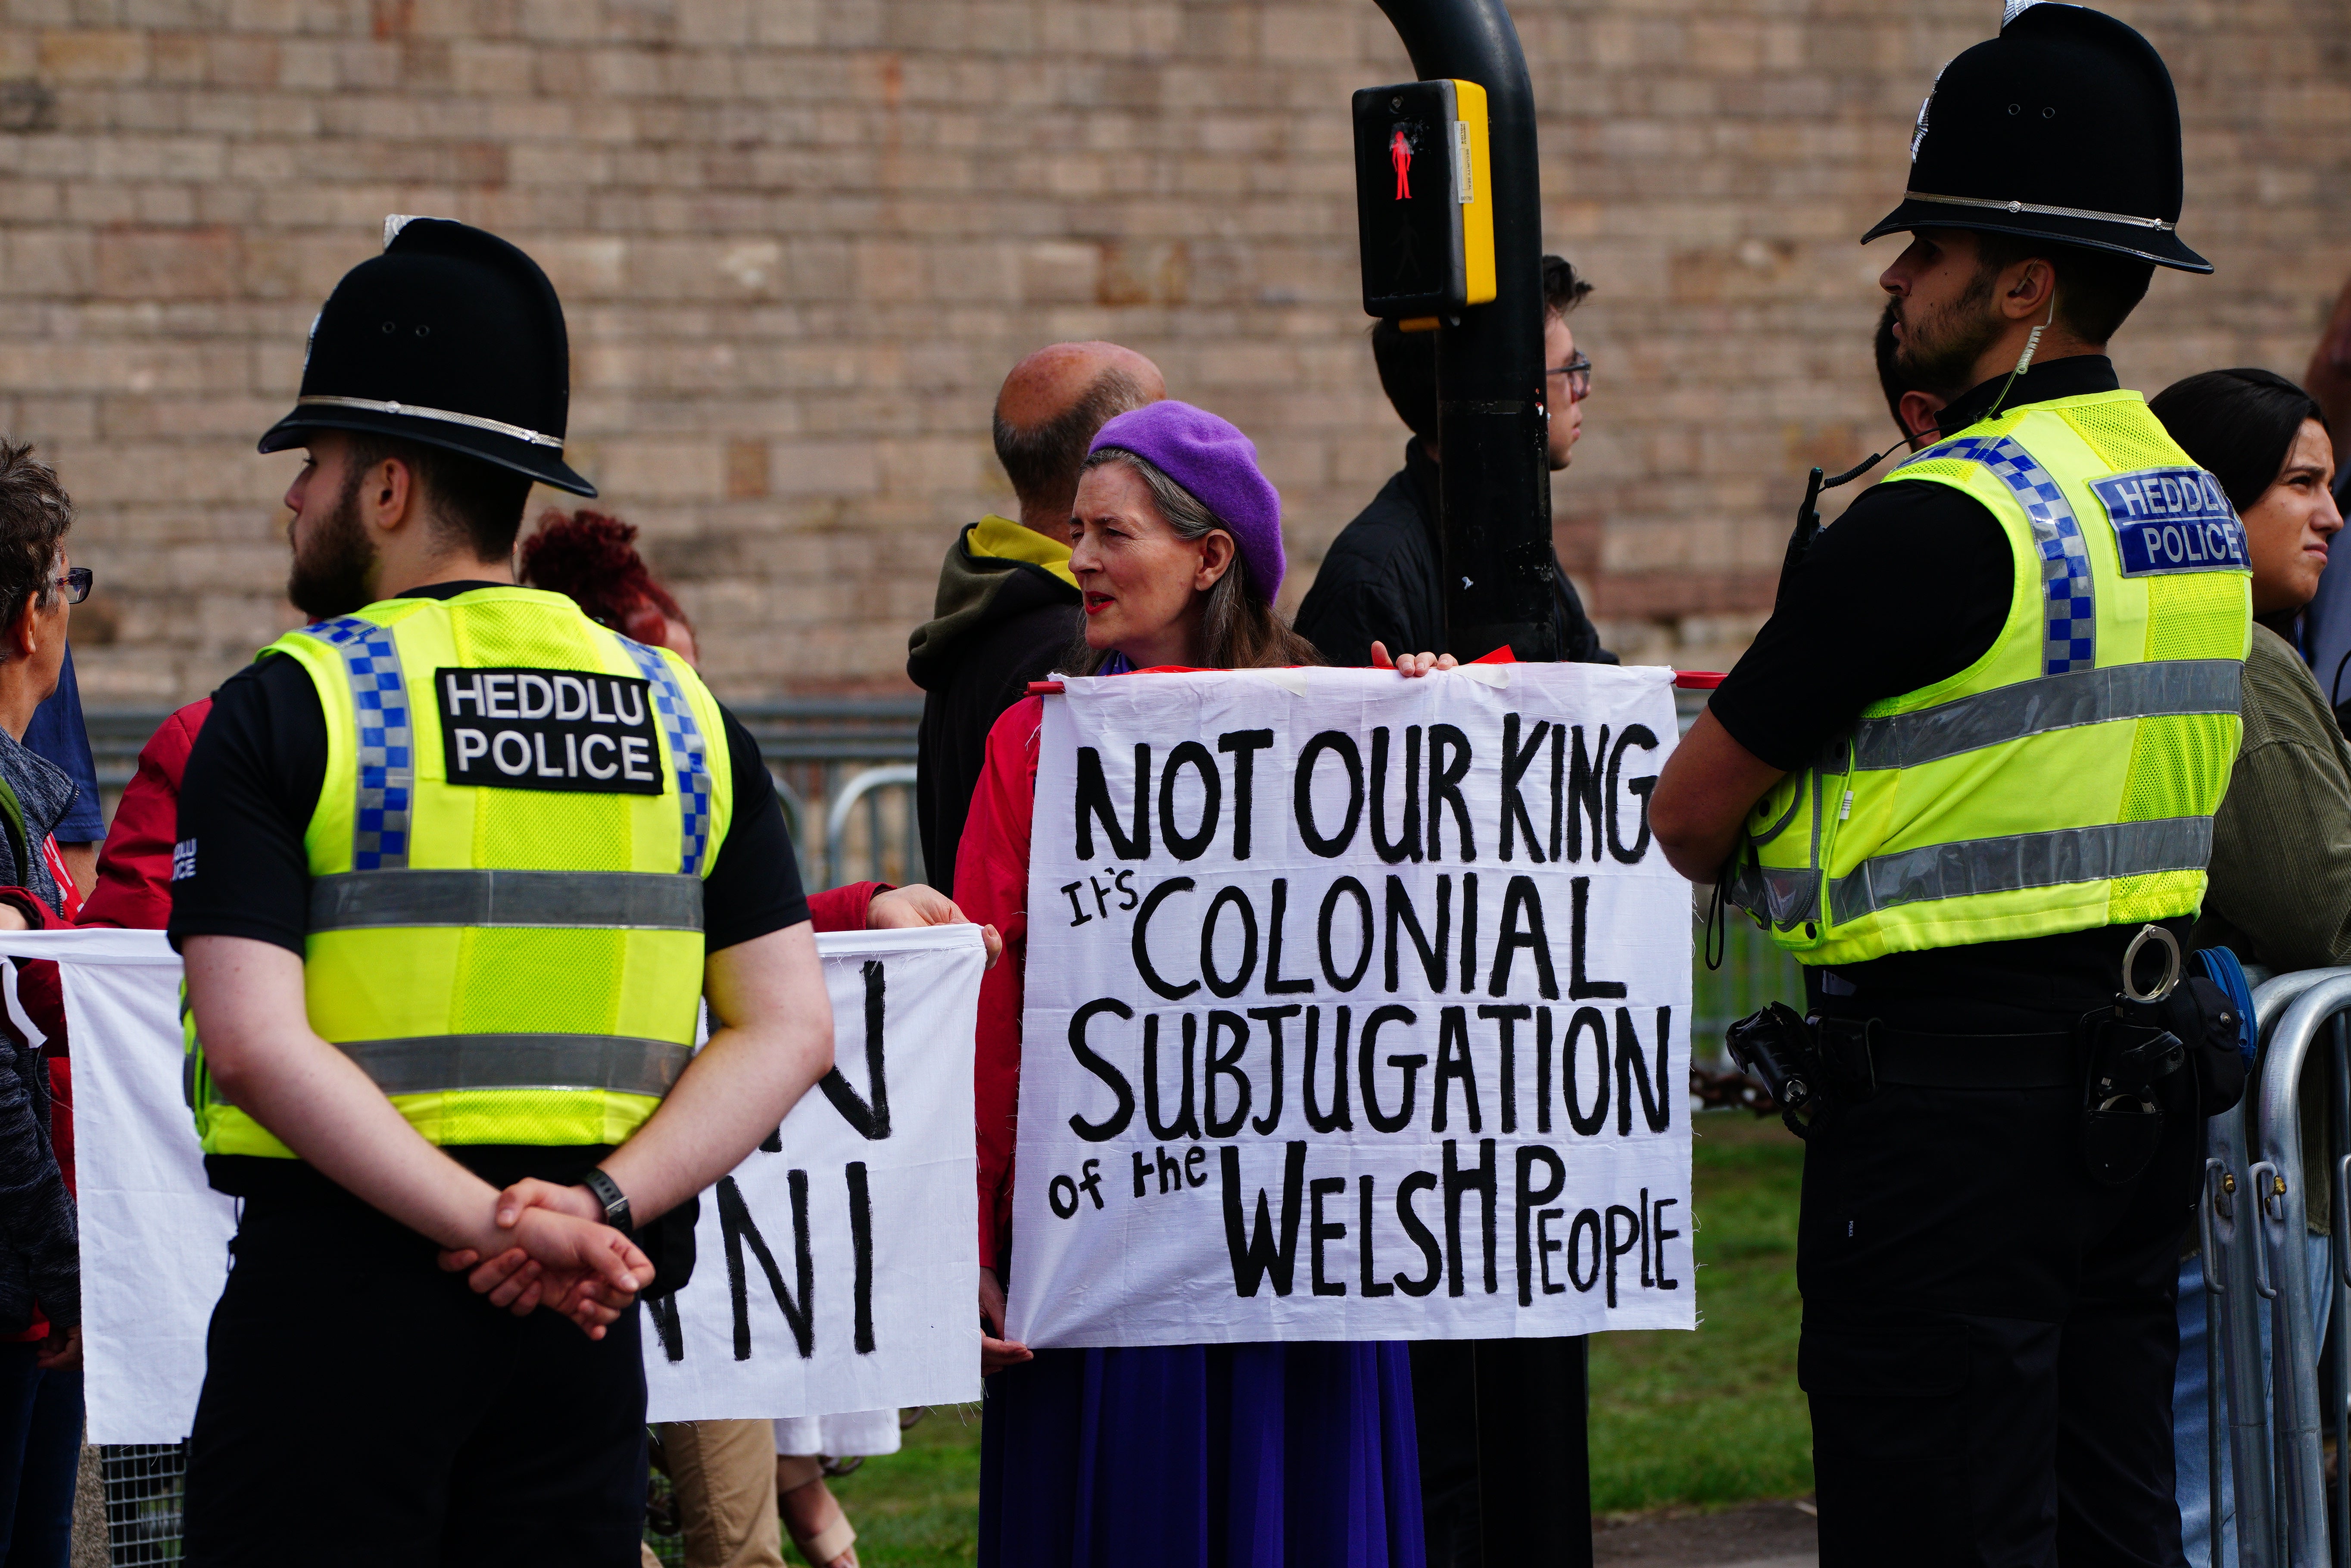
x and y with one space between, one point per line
2256 1255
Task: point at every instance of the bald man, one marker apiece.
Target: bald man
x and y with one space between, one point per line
1008 606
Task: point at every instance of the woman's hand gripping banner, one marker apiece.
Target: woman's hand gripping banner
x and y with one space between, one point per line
1357 1009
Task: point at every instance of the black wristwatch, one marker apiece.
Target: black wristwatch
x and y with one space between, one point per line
615 1201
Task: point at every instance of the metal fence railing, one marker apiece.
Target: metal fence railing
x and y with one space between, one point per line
2253 1213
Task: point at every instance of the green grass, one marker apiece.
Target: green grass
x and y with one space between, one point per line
918 1508
1715 1416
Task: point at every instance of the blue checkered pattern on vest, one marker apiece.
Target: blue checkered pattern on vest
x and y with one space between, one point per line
687 750
2071 626
387 766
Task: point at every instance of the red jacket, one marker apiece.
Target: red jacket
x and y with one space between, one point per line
991 884
134 869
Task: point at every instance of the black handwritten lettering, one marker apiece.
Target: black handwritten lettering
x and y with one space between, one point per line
1409 1066
1347 886
1186 1123
1342 746
735 1229
1457 1182
1453 1062
1368 1271
1578 987
1570 1062
1271 1018
1256 1255
1274 984
1657 1104
1431 956
1093 1062
1522 927
1634 735
1139 942
870 1118
1407 844
1093 803
1515 763
1318 1232
1190 847
1530 1198
1235 898
1585 783
860 1246
1510 1018
1227 1064
1244 745
1445 784
1422 1236
1618 1247
1341 1116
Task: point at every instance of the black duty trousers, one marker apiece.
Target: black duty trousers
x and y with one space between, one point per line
1989 1335
361 1407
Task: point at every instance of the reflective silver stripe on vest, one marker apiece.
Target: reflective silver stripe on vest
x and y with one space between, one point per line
594 901
2025 860
437 1063
1782 896
2050 703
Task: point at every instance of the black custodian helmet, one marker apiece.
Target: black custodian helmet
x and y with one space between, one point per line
452 337
2063 127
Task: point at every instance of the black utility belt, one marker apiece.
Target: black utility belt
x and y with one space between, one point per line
1867 1054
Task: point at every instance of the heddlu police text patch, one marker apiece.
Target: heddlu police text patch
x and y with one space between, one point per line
2172 520
548 729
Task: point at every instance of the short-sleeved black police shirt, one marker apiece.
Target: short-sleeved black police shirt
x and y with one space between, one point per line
1909 586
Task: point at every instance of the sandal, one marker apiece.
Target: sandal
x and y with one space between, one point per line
829 1545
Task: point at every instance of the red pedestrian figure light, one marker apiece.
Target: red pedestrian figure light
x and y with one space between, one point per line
1400 154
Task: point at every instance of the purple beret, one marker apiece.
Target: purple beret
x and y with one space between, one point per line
1211 458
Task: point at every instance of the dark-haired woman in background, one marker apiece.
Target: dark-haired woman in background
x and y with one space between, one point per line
2280 894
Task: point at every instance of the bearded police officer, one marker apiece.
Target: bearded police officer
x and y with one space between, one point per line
1973 754
456 867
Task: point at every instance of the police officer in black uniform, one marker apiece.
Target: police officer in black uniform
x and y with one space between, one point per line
1989 1339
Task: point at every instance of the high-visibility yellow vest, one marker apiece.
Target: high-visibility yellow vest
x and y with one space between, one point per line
2066 779
507 862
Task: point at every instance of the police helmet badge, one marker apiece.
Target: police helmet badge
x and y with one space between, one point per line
452 337
2064 127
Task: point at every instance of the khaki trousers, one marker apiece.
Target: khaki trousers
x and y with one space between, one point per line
724 1473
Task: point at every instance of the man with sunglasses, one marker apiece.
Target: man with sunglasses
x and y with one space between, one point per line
1383 578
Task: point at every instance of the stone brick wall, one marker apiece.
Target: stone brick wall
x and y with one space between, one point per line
800 243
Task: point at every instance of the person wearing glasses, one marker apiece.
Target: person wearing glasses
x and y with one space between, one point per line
40 1279
1381 580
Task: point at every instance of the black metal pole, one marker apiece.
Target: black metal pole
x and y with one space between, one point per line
1495 483
1525 1423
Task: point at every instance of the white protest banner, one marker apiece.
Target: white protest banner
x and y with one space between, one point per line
1357 1008
879 1293
834 1270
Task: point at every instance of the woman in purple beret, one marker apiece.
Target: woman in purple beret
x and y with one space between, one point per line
1255 1455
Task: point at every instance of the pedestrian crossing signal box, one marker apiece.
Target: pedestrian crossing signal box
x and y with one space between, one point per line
1424 200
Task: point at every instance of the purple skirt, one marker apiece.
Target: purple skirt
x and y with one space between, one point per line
1191 1455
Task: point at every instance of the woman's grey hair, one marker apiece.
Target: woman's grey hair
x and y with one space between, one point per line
1191 520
